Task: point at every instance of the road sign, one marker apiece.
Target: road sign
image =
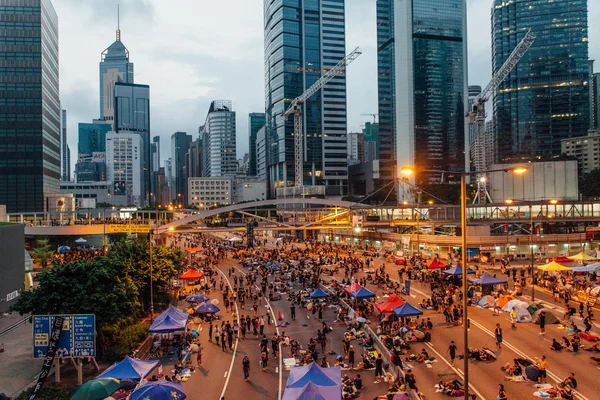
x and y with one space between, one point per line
128 228
78 337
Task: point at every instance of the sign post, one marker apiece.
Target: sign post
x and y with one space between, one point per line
77 339
54 336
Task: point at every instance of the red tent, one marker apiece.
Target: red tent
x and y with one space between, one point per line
436 264
562 259
388 306
192 274
352 288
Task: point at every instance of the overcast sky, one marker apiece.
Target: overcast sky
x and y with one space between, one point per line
191 52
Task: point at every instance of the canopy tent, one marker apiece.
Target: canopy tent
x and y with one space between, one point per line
300 376
587 268
407 310
550 318
81 241
63 249
318 294
235 239
387 307
513 303
310 391
486 301
174 313
207 308
582 257
130 368
487 280
191 274
363 293
159 390
197 298
503 300
436 264
562 259
194 250
553 267
457 270
352 288
168 324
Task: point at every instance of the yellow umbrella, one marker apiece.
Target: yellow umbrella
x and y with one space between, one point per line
582 257
553 267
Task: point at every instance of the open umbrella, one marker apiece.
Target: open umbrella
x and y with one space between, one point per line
197 298
96 389
159 390
553 267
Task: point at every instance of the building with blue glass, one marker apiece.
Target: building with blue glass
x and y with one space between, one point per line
422 70
92 138
303 40
255 122
30 165
546 97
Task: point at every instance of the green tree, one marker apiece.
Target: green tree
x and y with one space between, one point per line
589 184
43 252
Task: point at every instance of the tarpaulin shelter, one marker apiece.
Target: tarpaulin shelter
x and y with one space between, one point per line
582 257
130 368
207 308
587 268
553 267
168 324
387 307
407 310
363 293
318 294
313 373
197 298
310 391
191 274
487 280
457 270
436 264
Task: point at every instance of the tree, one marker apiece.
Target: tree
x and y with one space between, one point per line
589 184
43 253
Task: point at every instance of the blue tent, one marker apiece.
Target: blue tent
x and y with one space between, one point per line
363 293
310 391
160 390
197 298
487 280
207 308
407 310
174 313
457 270
167 324
275 267
587 268
318 294
130 368
300 376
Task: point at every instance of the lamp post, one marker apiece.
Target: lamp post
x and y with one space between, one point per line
463 214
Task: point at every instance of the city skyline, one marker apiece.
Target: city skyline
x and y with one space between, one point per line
186 70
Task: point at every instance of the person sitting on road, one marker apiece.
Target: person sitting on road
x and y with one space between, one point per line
594 347
565 342
368 343
569 381
555 345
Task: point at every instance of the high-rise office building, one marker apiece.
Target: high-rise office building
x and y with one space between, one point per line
65 151
92 138
132 113
255 122
155 153
261 154
546 97
180 143
474 91
302 41
114 67
218 139
124 159
193 159
30 105
422 69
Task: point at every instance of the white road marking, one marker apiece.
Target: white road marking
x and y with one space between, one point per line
237 311
225 375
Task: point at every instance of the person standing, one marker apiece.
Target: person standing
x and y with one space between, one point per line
351 357
498 332
293 312
378 369
502 395
411 381
452 352
210 331
543 366
261 321
224 340
199 355
542 322
217 335
513 318
246 368
264 358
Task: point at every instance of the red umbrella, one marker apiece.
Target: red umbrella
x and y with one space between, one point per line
388 306
192 274
436 264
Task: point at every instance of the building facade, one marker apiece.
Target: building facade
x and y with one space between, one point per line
474 91
302 40
206 192
90 169
219 140
193 159
88 194
586 149
91 138
65 151
261 154
482 148
30 159
546 97
255 122
245 190
422 69
180 143
124 158
356 147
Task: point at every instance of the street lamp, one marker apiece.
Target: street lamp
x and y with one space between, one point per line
463 222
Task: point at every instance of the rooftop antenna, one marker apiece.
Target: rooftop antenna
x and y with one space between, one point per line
118 25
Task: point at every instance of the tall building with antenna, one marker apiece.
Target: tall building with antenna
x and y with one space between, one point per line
114 67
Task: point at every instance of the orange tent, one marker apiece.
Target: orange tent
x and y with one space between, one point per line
436 264
193 250
502 300
192 274
388 306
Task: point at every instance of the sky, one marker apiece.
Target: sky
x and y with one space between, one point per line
204 50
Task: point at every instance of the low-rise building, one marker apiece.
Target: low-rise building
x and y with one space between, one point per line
205 192
249 189
88 194
586 149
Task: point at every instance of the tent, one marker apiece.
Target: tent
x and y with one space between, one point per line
550 318
523 315
235 239
457 271
587 268
81 241
503 300
486 301
363 293
553 267
513 303
300 376
487 280
174 313
159 390
168 324
197 298
582 257
318 294
310 391
352 288
207 308
533 307
407 310
436 264
562 259
387 307
130 368
191 274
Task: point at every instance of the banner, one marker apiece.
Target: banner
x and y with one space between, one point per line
129 228
49 359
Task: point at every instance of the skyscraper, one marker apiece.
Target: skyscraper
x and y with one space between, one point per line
180 143
218 139
30 110
546 97
155 153
255 122
92 138
124 167
114 67
422 69
65 151
303 40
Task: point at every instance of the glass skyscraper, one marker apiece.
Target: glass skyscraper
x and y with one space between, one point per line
219 140
29 105
422 70
302 40
92 138
546 97
255 122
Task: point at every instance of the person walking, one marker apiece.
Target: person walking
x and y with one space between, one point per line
498 332
230 339
542 322
513 318
217 335
246 368
378 369
224 335
588 324
452 352
199 355
210 331
293 312
502 395
264 358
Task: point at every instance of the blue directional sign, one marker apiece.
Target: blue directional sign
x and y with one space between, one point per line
77 339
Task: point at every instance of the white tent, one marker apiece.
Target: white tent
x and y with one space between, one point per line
522 313
486 301
514 303
235 239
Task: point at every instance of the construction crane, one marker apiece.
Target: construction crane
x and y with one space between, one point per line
296 109
477 113
374 117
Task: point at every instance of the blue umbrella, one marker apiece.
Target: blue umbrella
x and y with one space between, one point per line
207 308
159 390
63 249
197 298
